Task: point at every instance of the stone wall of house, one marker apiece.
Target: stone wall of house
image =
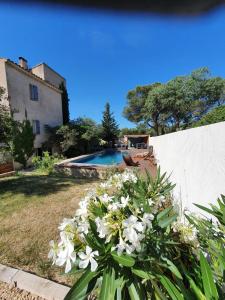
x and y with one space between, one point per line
195 159
48 74
48 108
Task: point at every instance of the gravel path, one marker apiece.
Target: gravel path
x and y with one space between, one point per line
12 293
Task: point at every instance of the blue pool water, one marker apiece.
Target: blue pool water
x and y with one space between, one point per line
105 158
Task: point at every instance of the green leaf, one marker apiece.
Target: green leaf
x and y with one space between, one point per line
80 289
167 221
172 267
195 289
158 292
208 210
136 292
108 287
142 274
123 259
164 213
207 278
171 288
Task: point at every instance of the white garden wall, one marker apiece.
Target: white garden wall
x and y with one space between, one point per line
196 160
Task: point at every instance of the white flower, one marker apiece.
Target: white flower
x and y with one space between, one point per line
162 198
53 251
66 254
131 228
147 220
114 206
123 246
150 202
83 204
66 222
102 228
188 234
83 227
87 258
105 198
124 201
106 185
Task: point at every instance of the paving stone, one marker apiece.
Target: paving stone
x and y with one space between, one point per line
7 273
40 286
33 284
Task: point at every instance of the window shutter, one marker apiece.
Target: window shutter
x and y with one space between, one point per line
31 94
34 126
35 92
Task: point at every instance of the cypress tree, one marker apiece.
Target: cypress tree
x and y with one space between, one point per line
109 125
65 104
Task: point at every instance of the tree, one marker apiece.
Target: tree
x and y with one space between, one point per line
176 104
215 115
6 125
6 122
134 110
110 129
79 136
65 104
23 142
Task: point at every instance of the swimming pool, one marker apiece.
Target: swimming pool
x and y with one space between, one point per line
102 158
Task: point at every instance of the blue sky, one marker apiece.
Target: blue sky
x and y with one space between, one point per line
103 55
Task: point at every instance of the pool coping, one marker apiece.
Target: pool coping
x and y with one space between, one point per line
68 164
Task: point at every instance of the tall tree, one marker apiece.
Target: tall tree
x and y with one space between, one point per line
65 104
110 129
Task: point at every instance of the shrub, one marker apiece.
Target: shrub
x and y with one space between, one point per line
46 163
130 243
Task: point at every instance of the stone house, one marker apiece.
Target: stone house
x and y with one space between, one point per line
32 93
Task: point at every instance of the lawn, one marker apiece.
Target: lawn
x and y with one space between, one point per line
31 207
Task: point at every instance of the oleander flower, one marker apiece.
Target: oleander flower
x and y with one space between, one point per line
106 198
102 227
88 257
66 254
132 228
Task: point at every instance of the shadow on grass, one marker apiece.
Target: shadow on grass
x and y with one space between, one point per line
38 184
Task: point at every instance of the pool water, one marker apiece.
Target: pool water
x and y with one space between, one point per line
105 158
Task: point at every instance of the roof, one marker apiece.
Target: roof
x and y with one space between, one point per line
136 135
29 73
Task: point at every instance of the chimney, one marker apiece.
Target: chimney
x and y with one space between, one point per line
23 63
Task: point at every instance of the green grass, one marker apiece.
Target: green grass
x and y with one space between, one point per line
31 208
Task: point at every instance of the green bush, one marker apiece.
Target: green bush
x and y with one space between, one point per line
130 243
45 164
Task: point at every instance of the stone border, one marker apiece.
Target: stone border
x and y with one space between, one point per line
44 288
7 174
70 167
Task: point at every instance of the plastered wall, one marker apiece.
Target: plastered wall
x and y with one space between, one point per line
195 158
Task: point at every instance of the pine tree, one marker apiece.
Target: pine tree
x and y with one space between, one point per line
109 125
65 104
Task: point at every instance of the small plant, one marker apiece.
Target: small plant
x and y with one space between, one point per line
45 164
130 243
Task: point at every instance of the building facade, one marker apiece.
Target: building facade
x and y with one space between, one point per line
32 93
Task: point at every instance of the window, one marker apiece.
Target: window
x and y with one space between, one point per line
36 127
33 92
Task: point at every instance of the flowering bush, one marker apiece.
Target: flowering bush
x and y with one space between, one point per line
129 241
